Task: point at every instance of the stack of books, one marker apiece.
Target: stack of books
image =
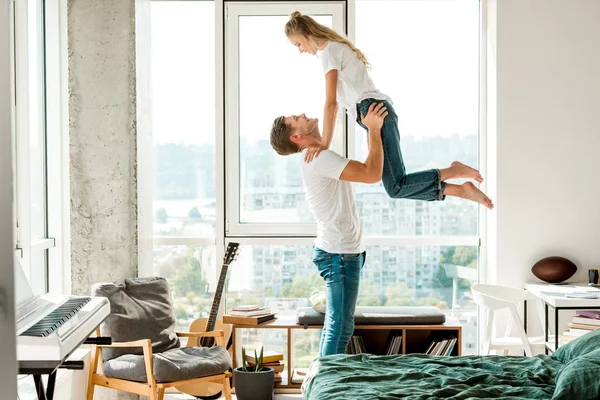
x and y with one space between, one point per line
395 345
585 321
299 375
356 345
441 347
248 315
271 359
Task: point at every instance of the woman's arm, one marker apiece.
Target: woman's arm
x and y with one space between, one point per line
329 116
331 107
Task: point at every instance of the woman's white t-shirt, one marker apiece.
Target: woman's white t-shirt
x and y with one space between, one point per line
354 83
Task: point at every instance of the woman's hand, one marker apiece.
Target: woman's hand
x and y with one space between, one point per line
312 152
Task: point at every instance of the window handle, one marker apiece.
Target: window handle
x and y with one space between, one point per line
20 249
3 305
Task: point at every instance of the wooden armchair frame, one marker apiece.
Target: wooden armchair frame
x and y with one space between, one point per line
150 388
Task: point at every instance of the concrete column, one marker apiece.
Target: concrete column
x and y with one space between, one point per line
110 142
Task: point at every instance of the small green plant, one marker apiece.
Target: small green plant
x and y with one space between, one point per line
259 361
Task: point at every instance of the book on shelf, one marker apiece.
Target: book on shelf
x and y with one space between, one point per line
268 356
586 321
566 339
252 313
257 320
278 377
250 307
299 375
277 366
356 345
594 314
578 332
441 346
394 345
582 326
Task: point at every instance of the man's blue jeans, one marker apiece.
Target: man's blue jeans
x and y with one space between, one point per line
342 276
422 185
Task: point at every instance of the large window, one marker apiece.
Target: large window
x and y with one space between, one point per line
211 142
267 77
37 163
183 120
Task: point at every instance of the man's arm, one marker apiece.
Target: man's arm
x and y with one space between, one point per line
370 171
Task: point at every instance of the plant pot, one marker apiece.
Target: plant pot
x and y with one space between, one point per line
253 385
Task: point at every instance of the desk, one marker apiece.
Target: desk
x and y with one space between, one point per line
554 296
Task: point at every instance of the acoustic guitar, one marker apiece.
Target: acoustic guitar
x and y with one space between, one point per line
210 390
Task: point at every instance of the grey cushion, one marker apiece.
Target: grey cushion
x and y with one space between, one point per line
379 316
140 308
171 365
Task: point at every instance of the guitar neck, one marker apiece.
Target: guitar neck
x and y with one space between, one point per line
212 319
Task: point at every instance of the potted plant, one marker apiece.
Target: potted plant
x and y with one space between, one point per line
253 382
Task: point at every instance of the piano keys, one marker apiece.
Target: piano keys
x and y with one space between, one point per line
50 327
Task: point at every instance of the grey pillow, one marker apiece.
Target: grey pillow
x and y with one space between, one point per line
379 315
140 308
172 365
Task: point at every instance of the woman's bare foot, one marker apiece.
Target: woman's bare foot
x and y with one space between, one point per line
459 170
470 192
473 193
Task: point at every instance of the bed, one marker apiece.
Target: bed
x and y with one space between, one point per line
572 372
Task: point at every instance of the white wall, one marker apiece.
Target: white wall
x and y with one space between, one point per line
8 367
547 133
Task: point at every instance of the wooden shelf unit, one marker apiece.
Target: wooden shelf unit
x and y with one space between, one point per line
415 339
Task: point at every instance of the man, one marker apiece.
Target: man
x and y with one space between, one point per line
339 253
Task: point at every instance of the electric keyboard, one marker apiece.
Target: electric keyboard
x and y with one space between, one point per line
50 327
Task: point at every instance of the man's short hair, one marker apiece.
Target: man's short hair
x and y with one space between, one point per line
280 137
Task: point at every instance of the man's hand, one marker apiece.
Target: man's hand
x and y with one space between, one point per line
375 116
312 152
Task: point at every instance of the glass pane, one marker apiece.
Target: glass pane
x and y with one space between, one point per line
37 271
191 273
281 277
274 80
183 118
270 339
432 75
37 129
306 346
436 276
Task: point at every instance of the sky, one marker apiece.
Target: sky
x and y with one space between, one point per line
424 54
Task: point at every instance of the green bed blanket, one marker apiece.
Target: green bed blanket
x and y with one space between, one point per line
418 376
571 373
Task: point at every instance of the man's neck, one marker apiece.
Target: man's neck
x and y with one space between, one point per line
309 143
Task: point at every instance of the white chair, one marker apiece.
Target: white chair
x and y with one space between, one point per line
494 298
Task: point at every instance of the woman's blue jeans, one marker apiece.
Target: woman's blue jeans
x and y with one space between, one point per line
341 273
423 185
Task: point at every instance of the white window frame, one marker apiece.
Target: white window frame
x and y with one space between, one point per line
57 132
233 11
54 93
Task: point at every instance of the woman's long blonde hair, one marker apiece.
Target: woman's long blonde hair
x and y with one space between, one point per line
309 28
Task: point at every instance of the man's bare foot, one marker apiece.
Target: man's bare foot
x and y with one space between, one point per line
461 170
471 192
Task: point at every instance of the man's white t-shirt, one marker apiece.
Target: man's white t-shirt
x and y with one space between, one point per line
332 203
354 83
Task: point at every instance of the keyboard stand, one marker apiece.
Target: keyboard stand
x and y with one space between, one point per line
39 368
